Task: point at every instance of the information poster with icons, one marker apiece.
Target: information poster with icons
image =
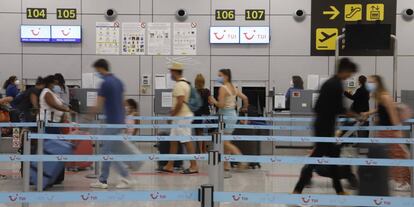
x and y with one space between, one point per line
185 39
133 38
107 38
159 38
329 18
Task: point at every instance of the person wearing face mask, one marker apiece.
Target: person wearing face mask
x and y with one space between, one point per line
227 106
61 89
328 106
295 84
387 115
181 95
50 102
11 86
111 102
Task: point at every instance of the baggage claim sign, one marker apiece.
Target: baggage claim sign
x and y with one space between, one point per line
329 18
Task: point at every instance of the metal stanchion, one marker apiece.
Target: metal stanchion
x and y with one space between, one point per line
97 164
206 196
412 157
40 130
214 174
26 165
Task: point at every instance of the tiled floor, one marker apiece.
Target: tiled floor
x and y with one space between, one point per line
270 178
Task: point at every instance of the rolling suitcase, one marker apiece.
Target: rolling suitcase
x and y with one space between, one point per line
52 171
164 148
82 147
374 179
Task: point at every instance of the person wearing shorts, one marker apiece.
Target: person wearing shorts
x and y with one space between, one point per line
226 104
181 94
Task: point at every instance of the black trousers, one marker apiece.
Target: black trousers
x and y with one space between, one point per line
322 150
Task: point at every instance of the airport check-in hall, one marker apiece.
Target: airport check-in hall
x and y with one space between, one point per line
209 103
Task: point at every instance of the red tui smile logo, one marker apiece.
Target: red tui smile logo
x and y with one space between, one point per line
35 32
246 35
66 33
216 34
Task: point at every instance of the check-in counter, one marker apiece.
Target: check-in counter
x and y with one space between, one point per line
287 114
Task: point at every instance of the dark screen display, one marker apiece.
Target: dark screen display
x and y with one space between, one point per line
368 36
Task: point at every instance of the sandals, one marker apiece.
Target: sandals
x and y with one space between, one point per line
189 172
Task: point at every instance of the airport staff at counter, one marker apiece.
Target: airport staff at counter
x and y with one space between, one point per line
295 84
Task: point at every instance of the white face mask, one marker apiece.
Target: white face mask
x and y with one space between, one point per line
371 87
17 82
291 83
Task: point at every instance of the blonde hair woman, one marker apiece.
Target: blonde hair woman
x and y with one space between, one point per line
204 110
388 116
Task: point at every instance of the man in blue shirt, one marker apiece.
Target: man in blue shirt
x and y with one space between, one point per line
110 99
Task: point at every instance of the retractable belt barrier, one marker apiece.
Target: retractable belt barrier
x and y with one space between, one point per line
311 200
210 194
113 196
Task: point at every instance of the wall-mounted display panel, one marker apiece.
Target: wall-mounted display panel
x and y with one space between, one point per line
254 35
224 35
66 34
34 33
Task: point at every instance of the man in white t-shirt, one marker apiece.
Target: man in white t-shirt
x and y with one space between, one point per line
181 95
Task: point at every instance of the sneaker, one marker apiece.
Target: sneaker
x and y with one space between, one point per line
403 187
123 184
227 175
99 185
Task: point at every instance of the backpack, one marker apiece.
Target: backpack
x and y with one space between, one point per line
194 101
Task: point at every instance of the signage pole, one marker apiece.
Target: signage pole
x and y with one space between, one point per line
394 71
338 41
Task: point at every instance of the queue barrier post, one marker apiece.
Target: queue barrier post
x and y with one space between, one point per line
40 129
26 165
412 157
97 164
206 196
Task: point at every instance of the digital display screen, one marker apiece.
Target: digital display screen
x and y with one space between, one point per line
66 34
224 35
34 33
368 36
254 35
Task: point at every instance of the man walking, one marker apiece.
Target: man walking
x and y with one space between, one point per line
180 108
111 99
328 107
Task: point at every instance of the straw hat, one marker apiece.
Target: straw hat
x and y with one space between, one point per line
176 66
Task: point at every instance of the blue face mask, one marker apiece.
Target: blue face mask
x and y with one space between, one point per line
57 89
99 75
371 87
220 80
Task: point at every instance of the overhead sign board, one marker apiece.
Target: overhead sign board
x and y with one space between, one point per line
224 35
66 34
254 35
34 33
329 18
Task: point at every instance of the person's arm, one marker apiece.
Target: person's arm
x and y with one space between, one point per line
34 101
6 100
178 106
50 100
245 100
351 96
136 130
221 97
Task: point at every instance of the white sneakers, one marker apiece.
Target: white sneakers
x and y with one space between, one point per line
99 185
405 187
123 184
